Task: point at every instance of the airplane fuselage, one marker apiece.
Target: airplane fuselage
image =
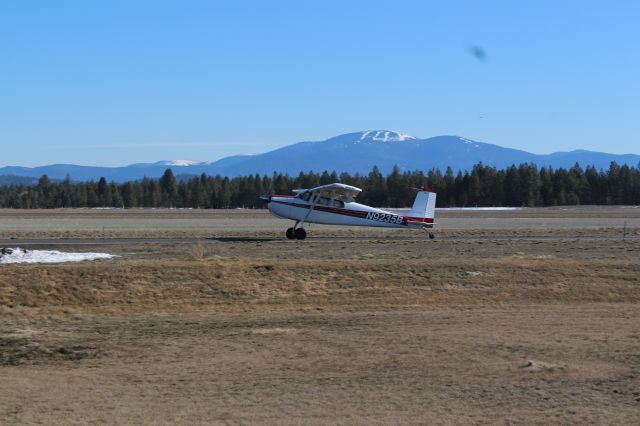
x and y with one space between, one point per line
334 212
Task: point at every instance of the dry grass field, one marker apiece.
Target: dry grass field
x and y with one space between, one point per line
212 317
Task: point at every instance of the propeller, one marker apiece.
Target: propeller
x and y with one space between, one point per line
267 196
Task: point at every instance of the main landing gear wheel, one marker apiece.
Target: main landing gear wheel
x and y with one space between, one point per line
431 236
291 233
296 234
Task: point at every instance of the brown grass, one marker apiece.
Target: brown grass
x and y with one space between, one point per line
360 280
197 252
377 331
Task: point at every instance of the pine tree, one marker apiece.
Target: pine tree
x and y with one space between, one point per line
168 189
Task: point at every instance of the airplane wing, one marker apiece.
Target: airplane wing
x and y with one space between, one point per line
338 191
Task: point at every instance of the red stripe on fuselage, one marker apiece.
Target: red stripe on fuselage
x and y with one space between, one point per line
419 219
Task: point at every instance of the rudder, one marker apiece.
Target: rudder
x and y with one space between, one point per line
424 206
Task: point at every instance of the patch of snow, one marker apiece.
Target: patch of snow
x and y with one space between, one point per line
19 255
470 142
385 136
177 163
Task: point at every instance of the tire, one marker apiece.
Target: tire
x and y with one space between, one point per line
301 234
291 234
431 235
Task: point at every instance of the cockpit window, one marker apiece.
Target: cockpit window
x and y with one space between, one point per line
305 196
322 201
329 202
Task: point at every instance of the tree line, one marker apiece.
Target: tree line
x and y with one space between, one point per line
525 185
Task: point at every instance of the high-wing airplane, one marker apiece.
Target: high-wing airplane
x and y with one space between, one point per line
334 204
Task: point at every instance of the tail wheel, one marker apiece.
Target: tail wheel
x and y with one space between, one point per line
291 233
301 234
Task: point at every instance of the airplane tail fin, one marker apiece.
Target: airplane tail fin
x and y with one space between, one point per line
424 206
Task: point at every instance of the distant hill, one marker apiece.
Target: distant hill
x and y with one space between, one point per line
352 152
17 180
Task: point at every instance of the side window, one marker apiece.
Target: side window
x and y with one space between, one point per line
338 204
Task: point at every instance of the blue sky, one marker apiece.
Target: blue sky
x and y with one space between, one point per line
119 82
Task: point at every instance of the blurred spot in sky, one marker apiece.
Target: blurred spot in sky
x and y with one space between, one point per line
478 53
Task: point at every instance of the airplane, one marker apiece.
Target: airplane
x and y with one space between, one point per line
334 204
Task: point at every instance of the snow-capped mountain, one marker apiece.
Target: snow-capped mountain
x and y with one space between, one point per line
351 152
169 163
360 151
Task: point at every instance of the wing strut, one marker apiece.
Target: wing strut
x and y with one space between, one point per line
314 198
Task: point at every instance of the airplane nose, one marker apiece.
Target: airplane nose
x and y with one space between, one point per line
266 198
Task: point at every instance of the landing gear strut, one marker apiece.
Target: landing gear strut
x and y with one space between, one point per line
296 234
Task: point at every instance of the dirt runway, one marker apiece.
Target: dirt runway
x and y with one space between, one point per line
518 317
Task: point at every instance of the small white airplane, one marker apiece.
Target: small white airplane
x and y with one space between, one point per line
334 204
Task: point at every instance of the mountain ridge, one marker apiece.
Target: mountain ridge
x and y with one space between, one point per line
355 152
